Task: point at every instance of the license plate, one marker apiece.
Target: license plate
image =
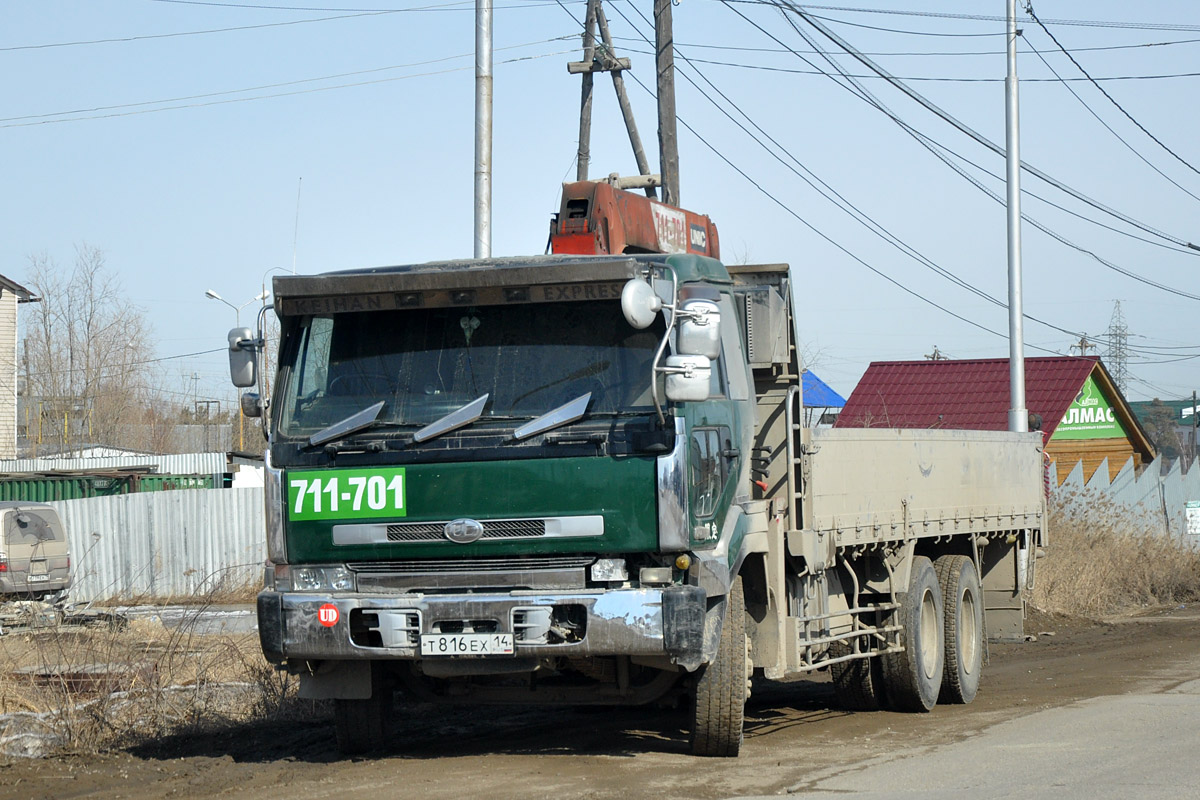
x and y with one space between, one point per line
38 578
467 644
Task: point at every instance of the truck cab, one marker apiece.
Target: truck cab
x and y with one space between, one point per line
483 474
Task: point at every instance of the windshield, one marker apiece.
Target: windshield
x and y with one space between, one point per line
426 363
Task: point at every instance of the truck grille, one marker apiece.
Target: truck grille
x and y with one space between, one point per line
474 565
474 574
498 529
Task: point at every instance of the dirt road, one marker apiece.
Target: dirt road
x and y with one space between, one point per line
794 731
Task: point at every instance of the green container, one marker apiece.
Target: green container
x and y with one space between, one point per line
166 483
45 489
79 487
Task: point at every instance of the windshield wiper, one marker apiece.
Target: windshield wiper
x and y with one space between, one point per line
453 421
568 412
351 424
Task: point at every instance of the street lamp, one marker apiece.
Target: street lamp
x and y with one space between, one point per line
236 309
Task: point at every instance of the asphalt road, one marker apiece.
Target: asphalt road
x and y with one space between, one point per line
1084 710
1139 745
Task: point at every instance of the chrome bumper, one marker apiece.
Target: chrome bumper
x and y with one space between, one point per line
649 622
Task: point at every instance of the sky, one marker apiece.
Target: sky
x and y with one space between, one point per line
211 145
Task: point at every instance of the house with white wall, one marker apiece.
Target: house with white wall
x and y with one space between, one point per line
11 294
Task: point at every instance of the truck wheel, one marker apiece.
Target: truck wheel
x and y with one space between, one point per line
857 684
963 603
363 726
720 691
913 676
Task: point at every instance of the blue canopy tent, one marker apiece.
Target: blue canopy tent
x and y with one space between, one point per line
817 394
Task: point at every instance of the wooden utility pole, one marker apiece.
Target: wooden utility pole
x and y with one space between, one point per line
585 104
668 143
615 67
602 58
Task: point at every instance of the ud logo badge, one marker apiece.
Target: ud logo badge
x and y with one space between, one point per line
463 531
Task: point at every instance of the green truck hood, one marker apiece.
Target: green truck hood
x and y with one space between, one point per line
621 490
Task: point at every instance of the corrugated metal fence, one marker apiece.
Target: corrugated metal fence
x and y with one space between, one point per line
1150 503
164 544
182 464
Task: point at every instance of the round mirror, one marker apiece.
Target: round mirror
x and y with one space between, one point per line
639 303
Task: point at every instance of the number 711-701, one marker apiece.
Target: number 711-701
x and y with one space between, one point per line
346 493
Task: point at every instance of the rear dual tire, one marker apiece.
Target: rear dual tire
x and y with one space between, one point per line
962 598
857 684
913 676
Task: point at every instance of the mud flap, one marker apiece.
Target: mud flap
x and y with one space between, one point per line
684 625
337 680
270 626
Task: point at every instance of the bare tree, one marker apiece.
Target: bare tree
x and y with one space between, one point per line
87 376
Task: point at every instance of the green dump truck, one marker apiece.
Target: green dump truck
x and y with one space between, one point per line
585 480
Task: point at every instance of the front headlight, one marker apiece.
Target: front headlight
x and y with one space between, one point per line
313 579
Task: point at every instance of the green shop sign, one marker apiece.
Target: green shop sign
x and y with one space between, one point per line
346 493
1090 416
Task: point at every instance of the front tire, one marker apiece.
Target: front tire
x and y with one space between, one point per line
914 675
962 599
364 726
721 688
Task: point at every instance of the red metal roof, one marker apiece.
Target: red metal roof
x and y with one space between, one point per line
971 394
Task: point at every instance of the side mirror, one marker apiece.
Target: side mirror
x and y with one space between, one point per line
699 328
688 378
639 303
241 357
250 404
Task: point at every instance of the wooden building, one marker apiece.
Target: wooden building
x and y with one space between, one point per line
1072 400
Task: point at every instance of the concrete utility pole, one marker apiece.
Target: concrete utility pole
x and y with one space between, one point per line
668 143
1018 415
483 128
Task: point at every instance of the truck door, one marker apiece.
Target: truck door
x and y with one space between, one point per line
713 459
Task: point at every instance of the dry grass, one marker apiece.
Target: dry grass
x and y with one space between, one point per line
102 686
1099 563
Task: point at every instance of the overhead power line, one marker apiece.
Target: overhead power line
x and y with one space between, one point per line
102 373
922 53
936 149
143 37
1087 23
788 6
133 109
929 78
1111 99
1108 127
935 34
460 5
